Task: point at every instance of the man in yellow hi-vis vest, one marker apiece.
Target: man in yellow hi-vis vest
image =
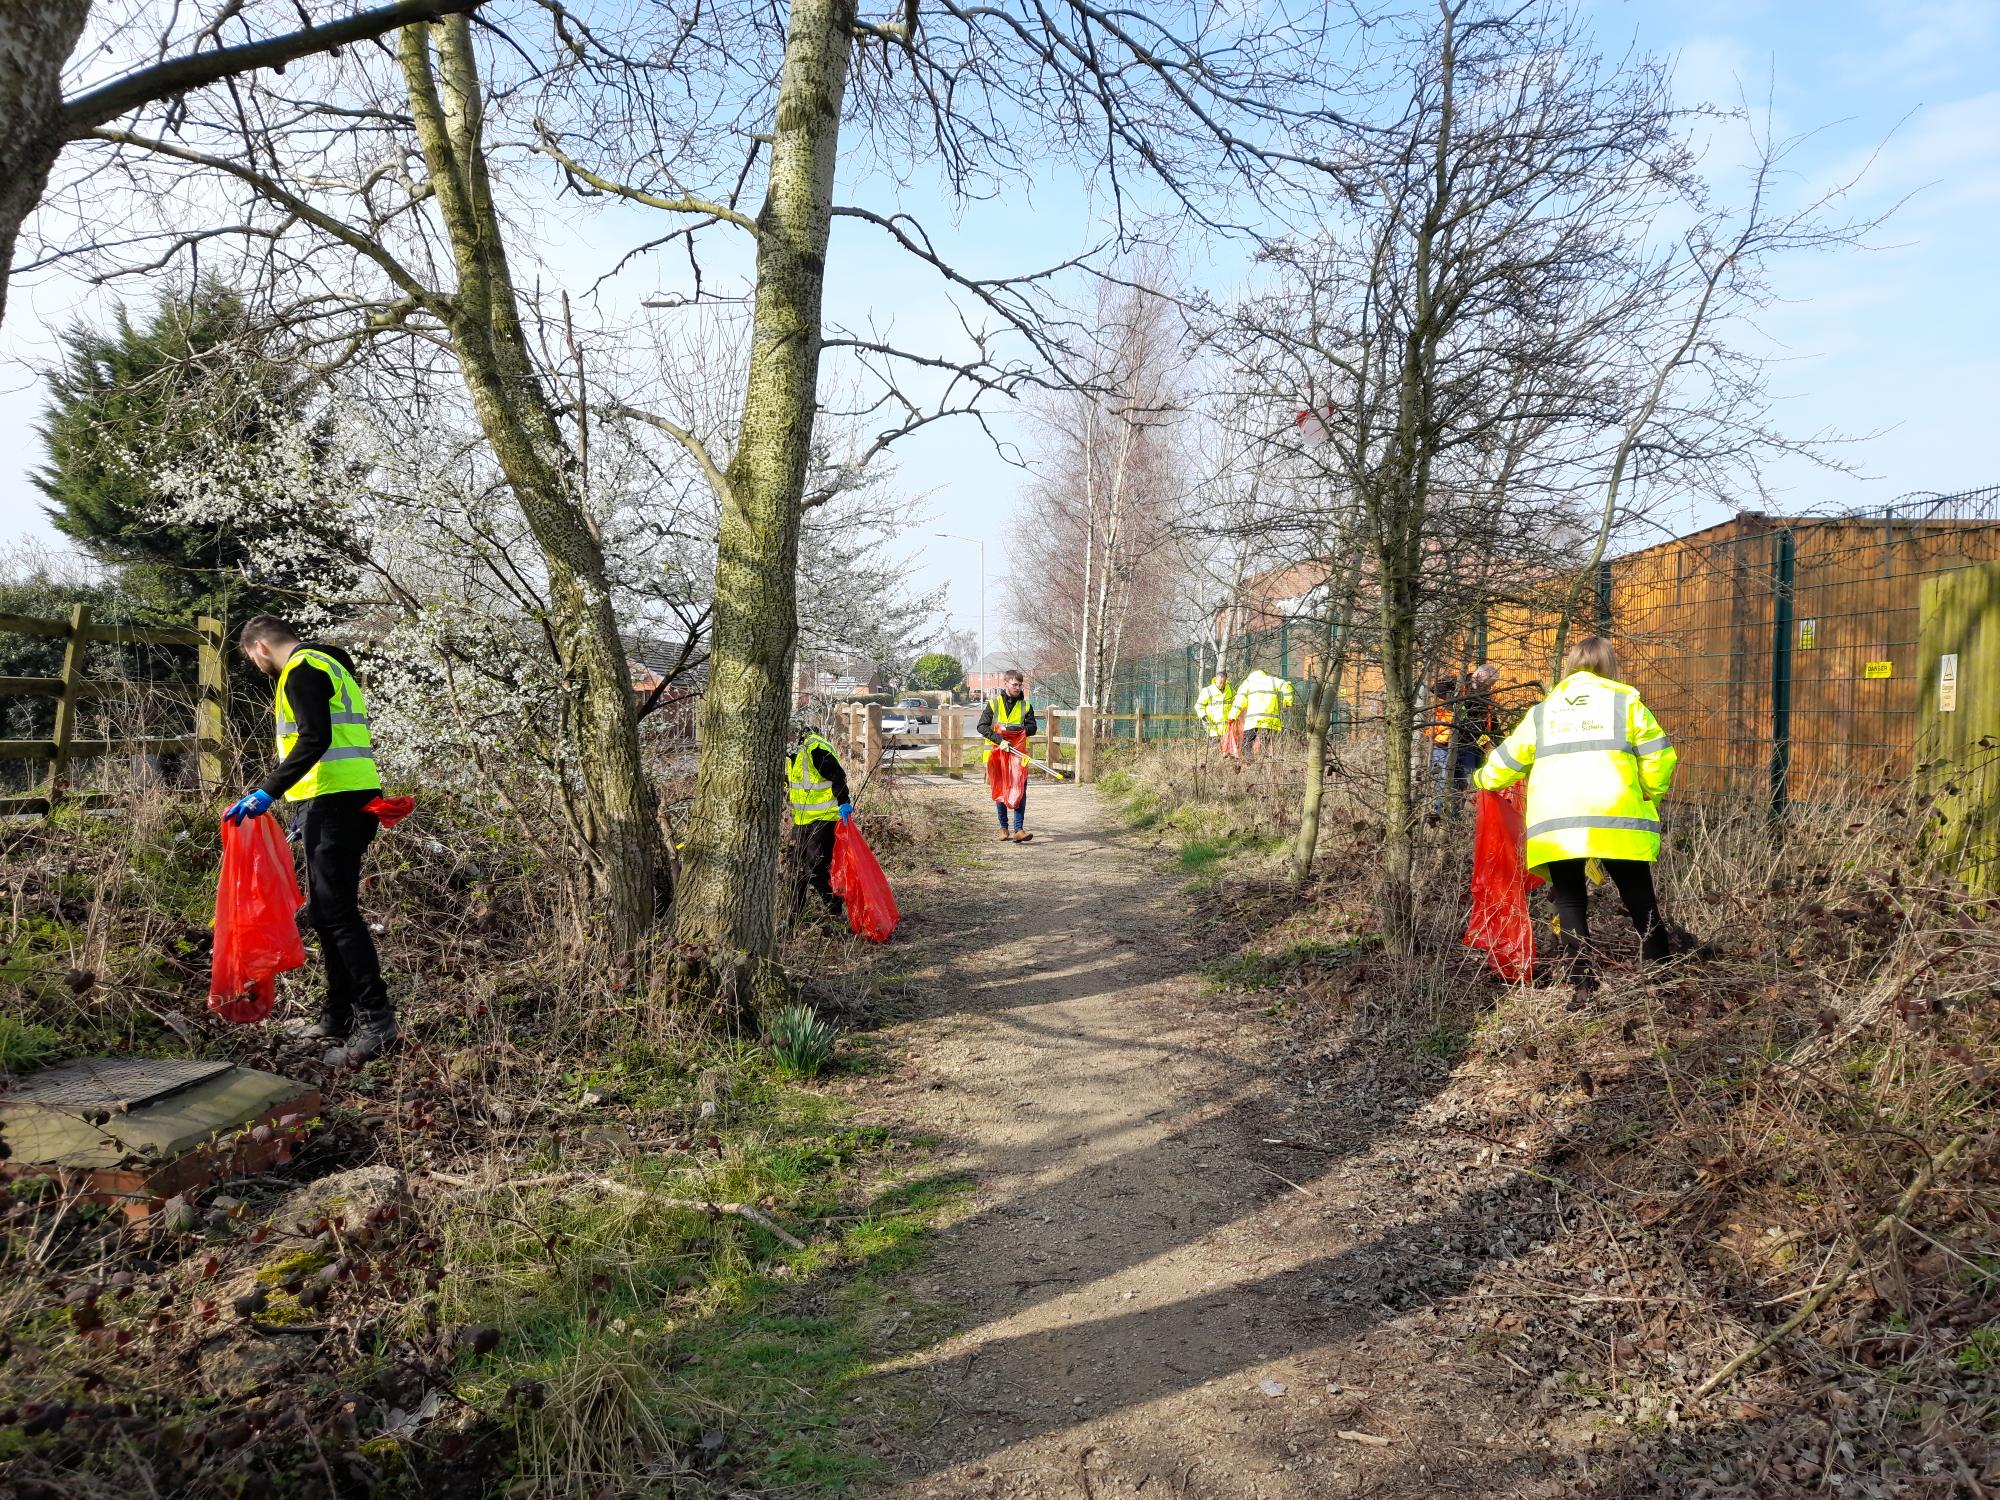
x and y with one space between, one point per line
1597 764
1212 705
1261 703
326 760
817 788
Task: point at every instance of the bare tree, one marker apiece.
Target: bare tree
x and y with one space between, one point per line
1212 105
1481 268
39 38
1090 569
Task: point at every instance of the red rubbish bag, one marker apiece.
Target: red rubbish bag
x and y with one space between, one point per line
256 920
1500 886
389 811
858 880
1232 739
1007 775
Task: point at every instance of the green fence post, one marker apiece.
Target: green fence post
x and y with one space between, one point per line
1604 598
1784 563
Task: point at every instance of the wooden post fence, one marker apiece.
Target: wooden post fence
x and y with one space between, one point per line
73 688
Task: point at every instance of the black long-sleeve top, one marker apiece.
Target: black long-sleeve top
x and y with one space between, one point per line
987 730
828 765
310 692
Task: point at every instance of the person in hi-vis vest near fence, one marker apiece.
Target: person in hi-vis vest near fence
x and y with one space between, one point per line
1261 703
817 787
1597 764
1212 705
1009 720
326 760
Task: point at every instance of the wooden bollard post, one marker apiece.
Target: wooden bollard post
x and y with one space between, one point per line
872 755
949 756
1139 726
1086 744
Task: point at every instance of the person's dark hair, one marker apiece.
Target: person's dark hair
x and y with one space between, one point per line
1444 686
1013 674
267 628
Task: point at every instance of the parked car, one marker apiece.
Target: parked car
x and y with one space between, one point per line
917 711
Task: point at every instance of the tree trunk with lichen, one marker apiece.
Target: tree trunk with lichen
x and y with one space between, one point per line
36 39
618 833
724 907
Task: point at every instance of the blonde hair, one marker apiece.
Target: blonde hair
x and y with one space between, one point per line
1591 654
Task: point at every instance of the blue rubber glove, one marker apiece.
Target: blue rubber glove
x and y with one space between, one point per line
255 805
847 812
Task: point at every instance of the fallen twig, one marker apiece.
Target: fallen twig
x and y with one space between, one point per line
1284 1179
1834 1282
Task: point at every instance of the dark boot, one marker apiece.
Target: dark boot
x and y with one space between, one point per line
377 1034
1573 965
334 1024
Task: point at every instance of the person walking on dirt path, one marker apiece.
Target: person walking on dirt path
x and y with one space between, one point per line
1261 703
1597 764
1007 723
817 786
326 760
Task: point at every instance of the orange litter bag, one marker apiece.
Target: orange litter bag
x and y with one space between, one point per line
256 920
1007 775
1500 884
859 882
1232 739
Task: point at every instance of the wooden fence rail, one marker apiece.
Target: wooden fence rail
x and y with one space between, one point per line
72 689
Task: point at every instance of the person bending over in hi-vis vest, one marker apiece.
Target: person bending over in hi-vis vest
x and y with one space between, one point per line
817 787
1009 720
1597 764
1261 703
327 761
1212 705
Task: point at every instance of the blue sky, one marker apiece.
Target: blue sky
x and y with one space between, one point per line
1899 341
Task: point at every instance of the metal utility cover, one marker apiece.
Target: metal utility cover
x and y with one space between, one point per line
108 1111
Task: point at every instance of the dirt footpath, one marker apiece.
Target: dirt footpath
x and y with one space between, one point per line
1165 1286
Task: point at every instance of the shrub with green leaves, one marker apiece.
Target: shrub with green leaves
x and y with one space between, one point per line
801 1042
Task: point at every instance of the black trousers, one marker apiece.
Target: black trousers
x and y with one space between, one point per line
336 833
812 847
1634 878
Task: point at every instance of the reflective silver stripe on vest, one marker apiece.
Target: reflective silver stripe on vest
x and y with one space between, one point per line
291 726
347 752
1538 728
1653 747
1570 747
1593 820
1506 757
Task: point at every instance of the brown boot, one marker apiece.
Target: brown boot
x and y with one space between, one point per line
1006 837
1022 837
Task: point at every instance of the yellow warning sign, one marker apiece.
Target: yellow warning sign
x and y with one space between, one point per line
1878 669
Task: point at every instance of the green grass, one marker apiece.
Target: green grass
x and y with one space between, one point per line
1198 854
25 1047
654 1331
1981 1354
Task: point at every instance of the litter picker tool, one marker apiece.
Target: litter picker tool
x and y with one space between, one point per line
1039 765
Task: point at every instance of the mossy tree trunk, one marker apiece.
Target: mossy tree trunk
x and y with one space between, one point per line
36 38
729 864
514 410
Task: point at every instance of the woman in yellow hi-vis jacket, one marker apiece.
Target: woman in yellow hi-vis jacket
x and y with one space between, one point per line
1597 764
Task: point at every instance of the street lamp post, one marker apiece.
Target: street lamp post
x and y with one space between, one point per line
953 536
